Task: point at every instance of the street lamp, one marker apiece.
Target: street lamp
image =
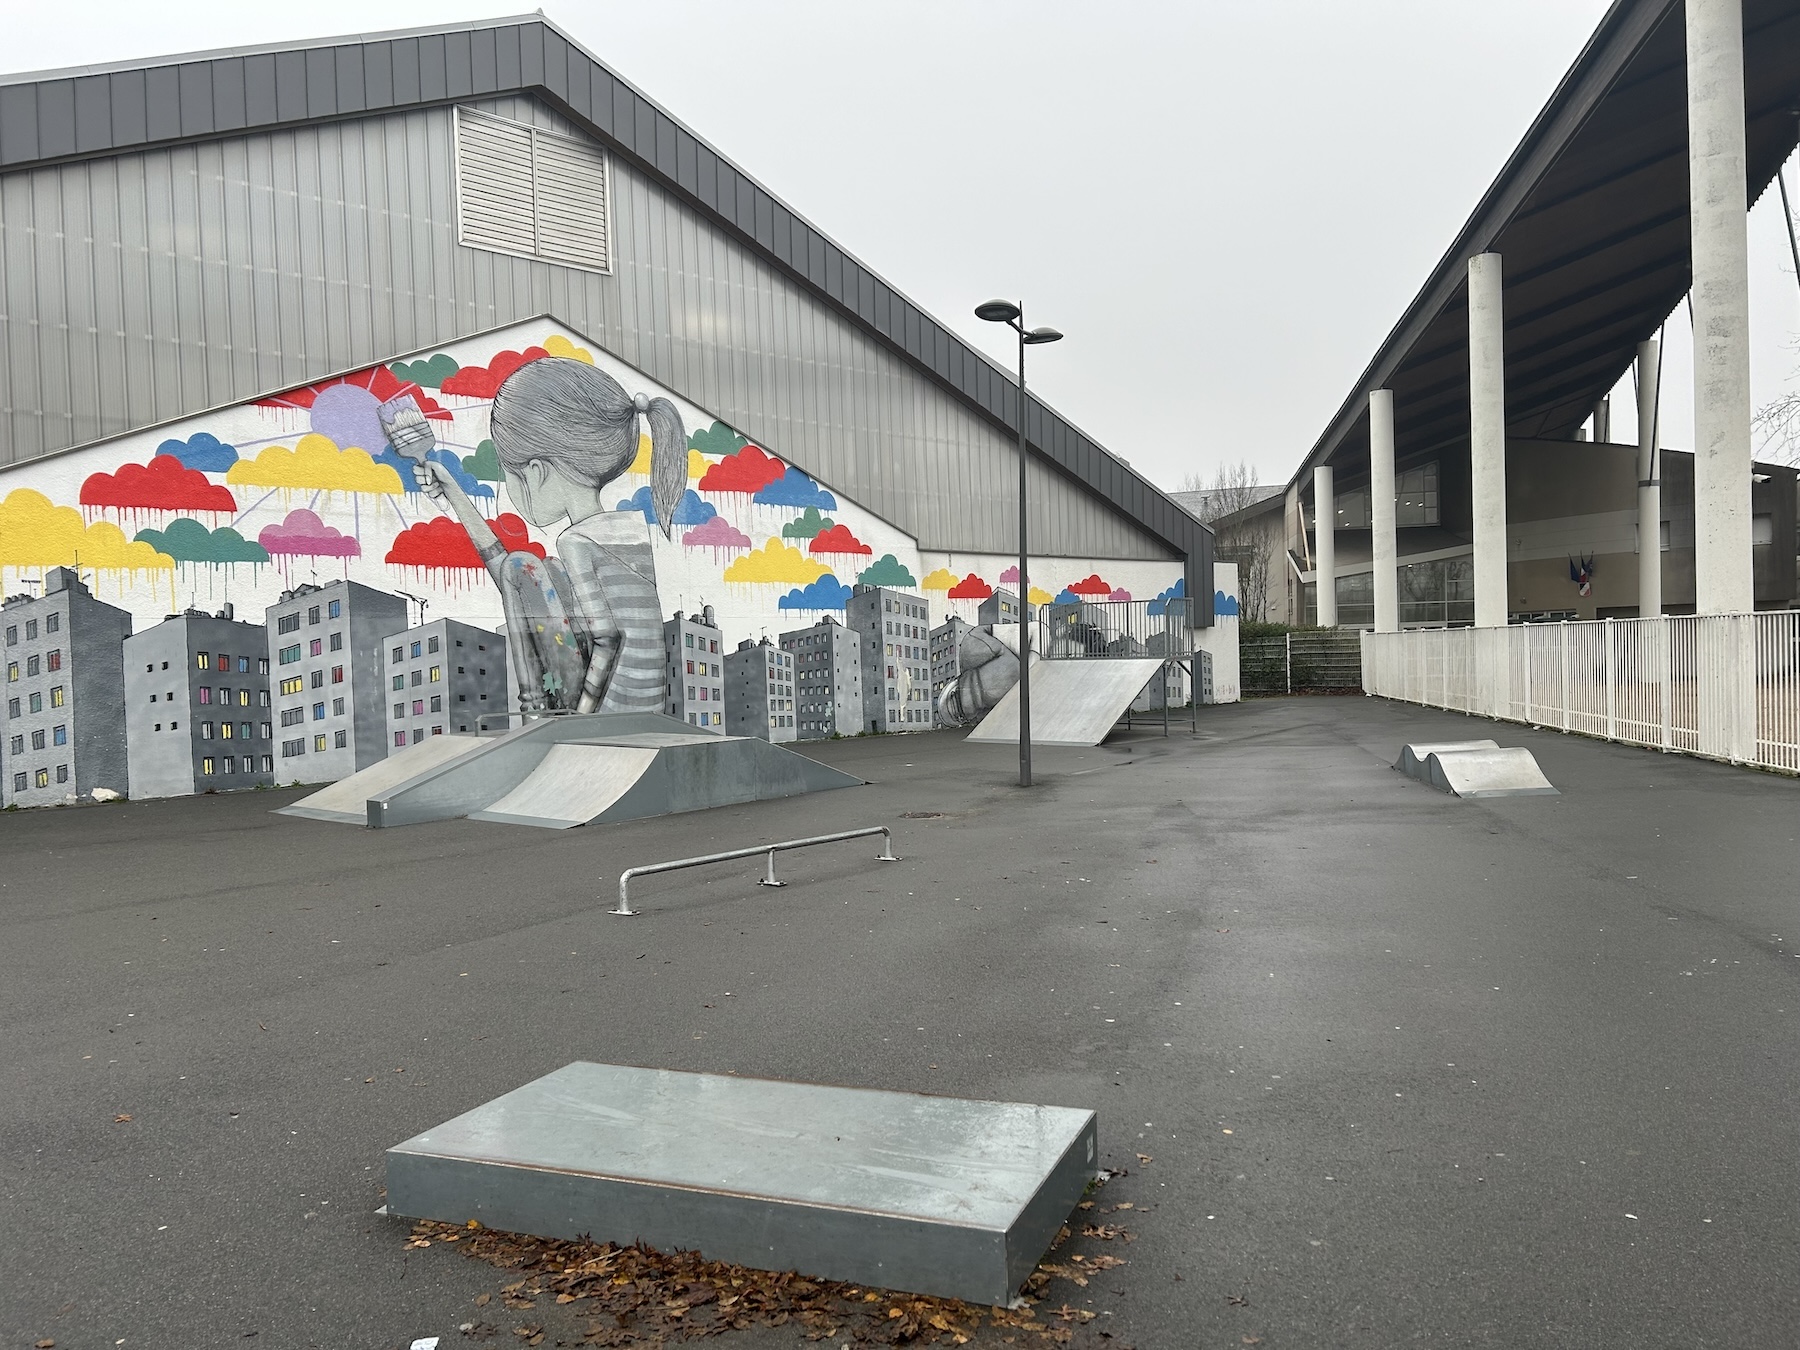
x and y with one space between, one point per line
1006 312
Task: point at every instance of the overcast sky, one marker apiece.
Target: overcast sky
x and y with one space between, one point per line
1224 205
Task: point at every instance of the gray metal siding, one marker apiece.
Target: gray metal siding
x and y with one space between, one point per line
149 285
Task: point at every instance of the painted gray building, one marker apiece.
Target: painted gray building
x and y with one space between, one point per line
828 675
184 233
449 673
1000 607
895 627
696 669
946 650
65 694
198 714
328 655
759 691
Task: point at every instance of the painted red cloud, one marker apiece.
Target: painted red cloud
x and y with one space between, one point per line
971 587
749 470
838 539
442 542
1091 585
164 484
482 381
378 380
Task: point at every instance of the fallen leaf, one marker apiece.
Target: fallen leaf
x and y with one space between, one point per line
121 1119
1126 1204
482 1300
1252 1340
1142 1158
45 1344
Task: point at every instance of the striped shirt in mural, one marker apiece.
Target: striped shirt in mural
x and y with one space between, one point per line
613 576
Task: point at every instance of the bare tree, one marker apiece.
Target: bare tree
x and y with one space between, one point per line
1778 424
1251 544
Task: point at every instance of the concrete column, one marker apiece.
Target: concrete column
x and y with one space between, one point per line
1649 493
1381 509
1603 421
1487 438
1723 577
1325 544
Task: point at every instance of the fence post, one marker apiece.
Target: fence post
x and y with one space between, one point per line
1288 659
1612 697
1565 675
1665 679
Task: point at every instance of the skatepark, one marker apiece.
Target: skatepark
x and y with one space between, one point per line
1335 1008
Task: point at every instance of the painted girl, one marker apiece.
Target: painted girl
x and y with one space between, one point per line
584 627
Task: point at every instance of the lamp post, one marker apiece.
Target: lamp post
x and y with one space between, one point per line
1006 312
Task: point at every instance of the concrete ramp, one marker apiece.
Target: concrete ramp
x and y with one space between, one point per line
1073 702
1476 769
347 799
634 776
573 785
1412 757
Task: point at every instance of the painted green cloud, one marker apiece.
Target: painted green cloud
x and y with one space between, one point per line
810 525
887 570
484 464
429 372
187 540
718 439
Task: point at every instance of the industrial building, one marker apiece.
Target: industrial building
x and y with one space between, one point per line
65 694
828 675
451 674
198 715
759 692
442 212
328 649
895 627
696 671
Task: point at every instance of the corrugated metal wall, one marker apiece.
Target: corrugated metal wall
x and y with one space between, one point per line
149 285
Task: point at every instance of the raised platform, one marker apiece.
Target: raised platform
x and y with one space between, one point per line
933 1195
560 772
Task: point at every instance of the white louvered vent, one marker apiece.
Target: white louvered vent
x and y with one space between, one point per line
522 190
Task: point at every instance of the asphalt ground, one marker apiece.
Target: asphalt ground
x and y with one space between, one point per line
1409 1070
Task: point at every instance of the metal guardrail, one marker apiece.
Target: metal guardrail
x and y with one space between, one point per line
626 911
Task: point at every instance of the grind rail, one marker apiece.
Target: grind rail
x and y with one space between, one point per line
626 911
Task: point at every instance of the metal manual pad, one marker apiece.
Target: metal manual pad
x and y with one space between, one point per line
896 1190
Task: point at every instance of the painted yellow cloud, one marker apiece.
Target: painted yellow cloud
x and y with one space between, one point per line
941 580
316 462
777 562
1040 596
697 463
558 345
35 532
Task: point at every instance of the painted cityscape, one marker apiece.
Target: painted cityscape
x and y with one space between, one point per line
290 589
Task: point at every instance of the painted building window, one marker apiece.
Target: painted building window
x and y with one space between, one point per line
18 782
206 731
33 666
37 739
334 609
337 674
12 634
243 665
418 707
437 673
399 655
337 707
224 661
318 679
262 665
431 645
399 738
317 648
30 630
437 703
288 623
319 742
62 773
399 711
53 623
208 766
342 740
291 748
289 655
203 660
293 686
337 642
399 681
42 777
312 615
56 697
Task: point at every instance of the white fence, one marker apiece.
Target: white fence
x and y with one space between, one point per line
1726 686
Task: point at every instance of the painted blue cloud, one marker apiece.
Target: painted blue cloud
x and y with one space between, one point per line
404 467
690 510
795 489
203 451
825 593
1160 605
1066 597
1224 604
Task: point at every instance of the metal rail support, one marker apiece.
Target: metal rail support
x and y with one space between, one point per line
626 911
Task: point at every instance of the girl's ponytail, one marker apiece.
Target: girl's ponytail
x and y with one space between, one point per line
668 458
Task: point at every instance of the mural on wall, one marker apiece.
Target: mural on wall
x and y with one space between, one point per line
522 482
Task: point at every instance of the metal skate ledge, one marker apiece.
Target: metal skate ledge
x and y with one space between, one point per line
895 1190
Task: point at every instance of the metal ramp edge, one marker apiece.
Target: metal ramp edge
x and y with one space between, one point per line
347 800
1073 702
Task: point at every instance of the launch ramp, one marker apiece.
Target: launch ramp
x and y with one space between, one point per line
1476 769
1072 702
346 800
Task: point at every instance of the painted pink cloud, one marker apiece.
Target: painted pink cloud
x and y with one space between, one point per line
716 533
1119 593
303 534
1010 577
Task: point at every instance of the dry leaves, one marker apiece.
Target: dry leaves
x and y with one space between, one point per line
639 1296
120 1119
